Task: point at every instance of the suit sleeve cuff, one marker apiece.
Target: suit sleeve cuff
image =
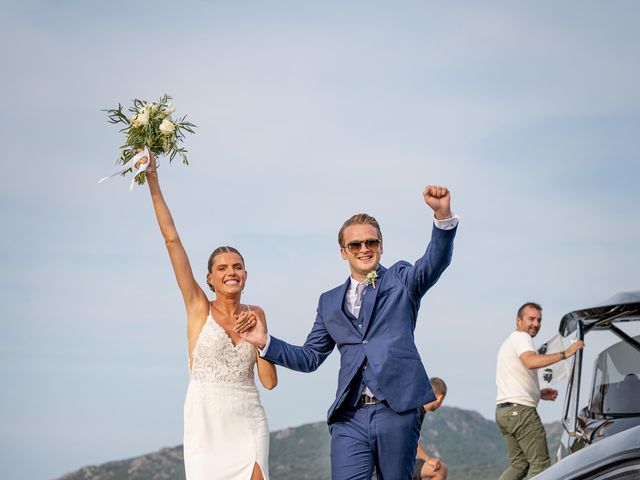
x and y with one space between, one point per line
447 223
263 351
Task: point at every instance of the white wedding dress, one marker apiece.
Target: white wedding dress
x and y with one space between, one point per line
225 427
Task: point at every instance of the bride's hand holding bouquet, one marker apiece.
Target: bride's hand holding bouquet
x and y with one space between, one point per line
147 162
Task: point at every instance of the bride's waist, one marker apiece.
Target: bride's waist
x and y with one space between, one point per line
222 393
221 386
242 379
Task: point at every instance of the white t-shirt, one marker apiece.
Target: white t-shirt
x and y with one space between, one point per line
516 383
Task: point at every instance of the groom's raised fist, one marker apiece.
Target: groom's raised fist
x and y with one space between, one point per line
439 199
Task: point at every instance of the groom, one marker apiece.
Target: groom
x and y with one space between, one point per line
376 417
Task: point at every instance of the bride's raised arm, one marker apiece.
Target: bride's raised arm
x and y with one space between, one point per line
195 299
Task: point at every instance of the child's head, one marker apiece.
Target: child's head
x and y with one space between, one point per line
440 391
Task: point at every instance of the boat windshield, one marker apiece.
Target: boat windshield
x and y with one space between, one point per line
616 383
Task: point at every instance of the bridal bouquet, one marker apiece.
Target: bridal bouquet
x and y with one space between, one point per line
149 127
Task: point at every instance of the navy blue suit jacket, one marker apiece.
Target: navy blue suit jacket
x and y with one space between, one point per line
388 315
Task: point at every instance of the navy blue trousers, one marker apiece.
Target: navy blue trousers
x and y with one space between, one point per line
374 436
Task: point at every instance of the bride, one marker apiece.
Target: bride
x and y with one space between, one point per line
226 435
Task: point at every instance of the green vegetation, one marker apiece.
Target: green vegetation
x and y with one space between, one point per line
470 444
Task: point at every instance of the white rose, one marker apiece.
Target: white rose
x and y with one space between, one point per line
170 108
143 117
154 108
167 127
134 120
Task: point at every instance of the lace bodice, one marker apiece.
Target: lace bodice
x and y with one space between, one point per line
216 361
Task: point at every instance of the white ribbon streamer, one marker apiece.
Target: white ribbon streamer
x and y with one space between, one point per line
131 164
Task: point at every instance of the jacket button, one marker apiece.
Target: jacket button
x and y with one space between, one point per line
365 342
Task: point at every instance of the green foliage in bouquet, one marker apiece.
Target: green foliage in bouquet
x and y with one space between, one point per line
150 124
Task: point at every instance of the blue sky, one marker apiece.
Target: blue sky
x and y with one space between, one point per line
307 113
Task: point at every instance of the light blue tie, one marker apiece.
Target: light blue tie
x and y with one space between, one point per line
358 301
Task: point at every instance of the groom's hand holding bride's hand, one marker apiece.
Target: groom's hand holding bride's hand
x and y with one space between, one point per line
439 199
244 320
251 328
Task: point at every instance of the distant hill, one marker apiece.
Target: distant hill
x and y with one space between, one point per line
469 443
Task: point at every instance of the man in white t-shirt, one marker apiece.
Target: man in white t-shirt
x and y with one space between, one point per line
519 393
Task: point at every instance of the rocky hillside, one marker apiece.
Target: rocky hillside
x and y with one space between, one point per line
469 443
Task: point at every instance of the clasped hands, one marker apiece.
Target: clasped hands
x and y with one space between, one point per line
435 463
245 320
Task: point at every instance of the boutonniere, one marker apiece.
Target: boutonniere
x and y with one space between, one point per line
370 279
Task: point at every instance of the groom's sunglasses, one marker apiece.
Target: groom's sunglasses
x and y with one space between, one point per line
371 244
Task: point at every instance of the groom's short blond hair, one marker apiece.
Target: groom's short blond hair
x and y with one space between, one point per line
358 219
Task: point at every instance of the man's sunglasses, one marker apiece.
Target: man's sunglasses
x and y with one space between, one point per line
371 244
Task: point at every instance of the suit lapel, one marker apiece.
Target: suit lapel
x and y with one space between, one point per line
369 300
